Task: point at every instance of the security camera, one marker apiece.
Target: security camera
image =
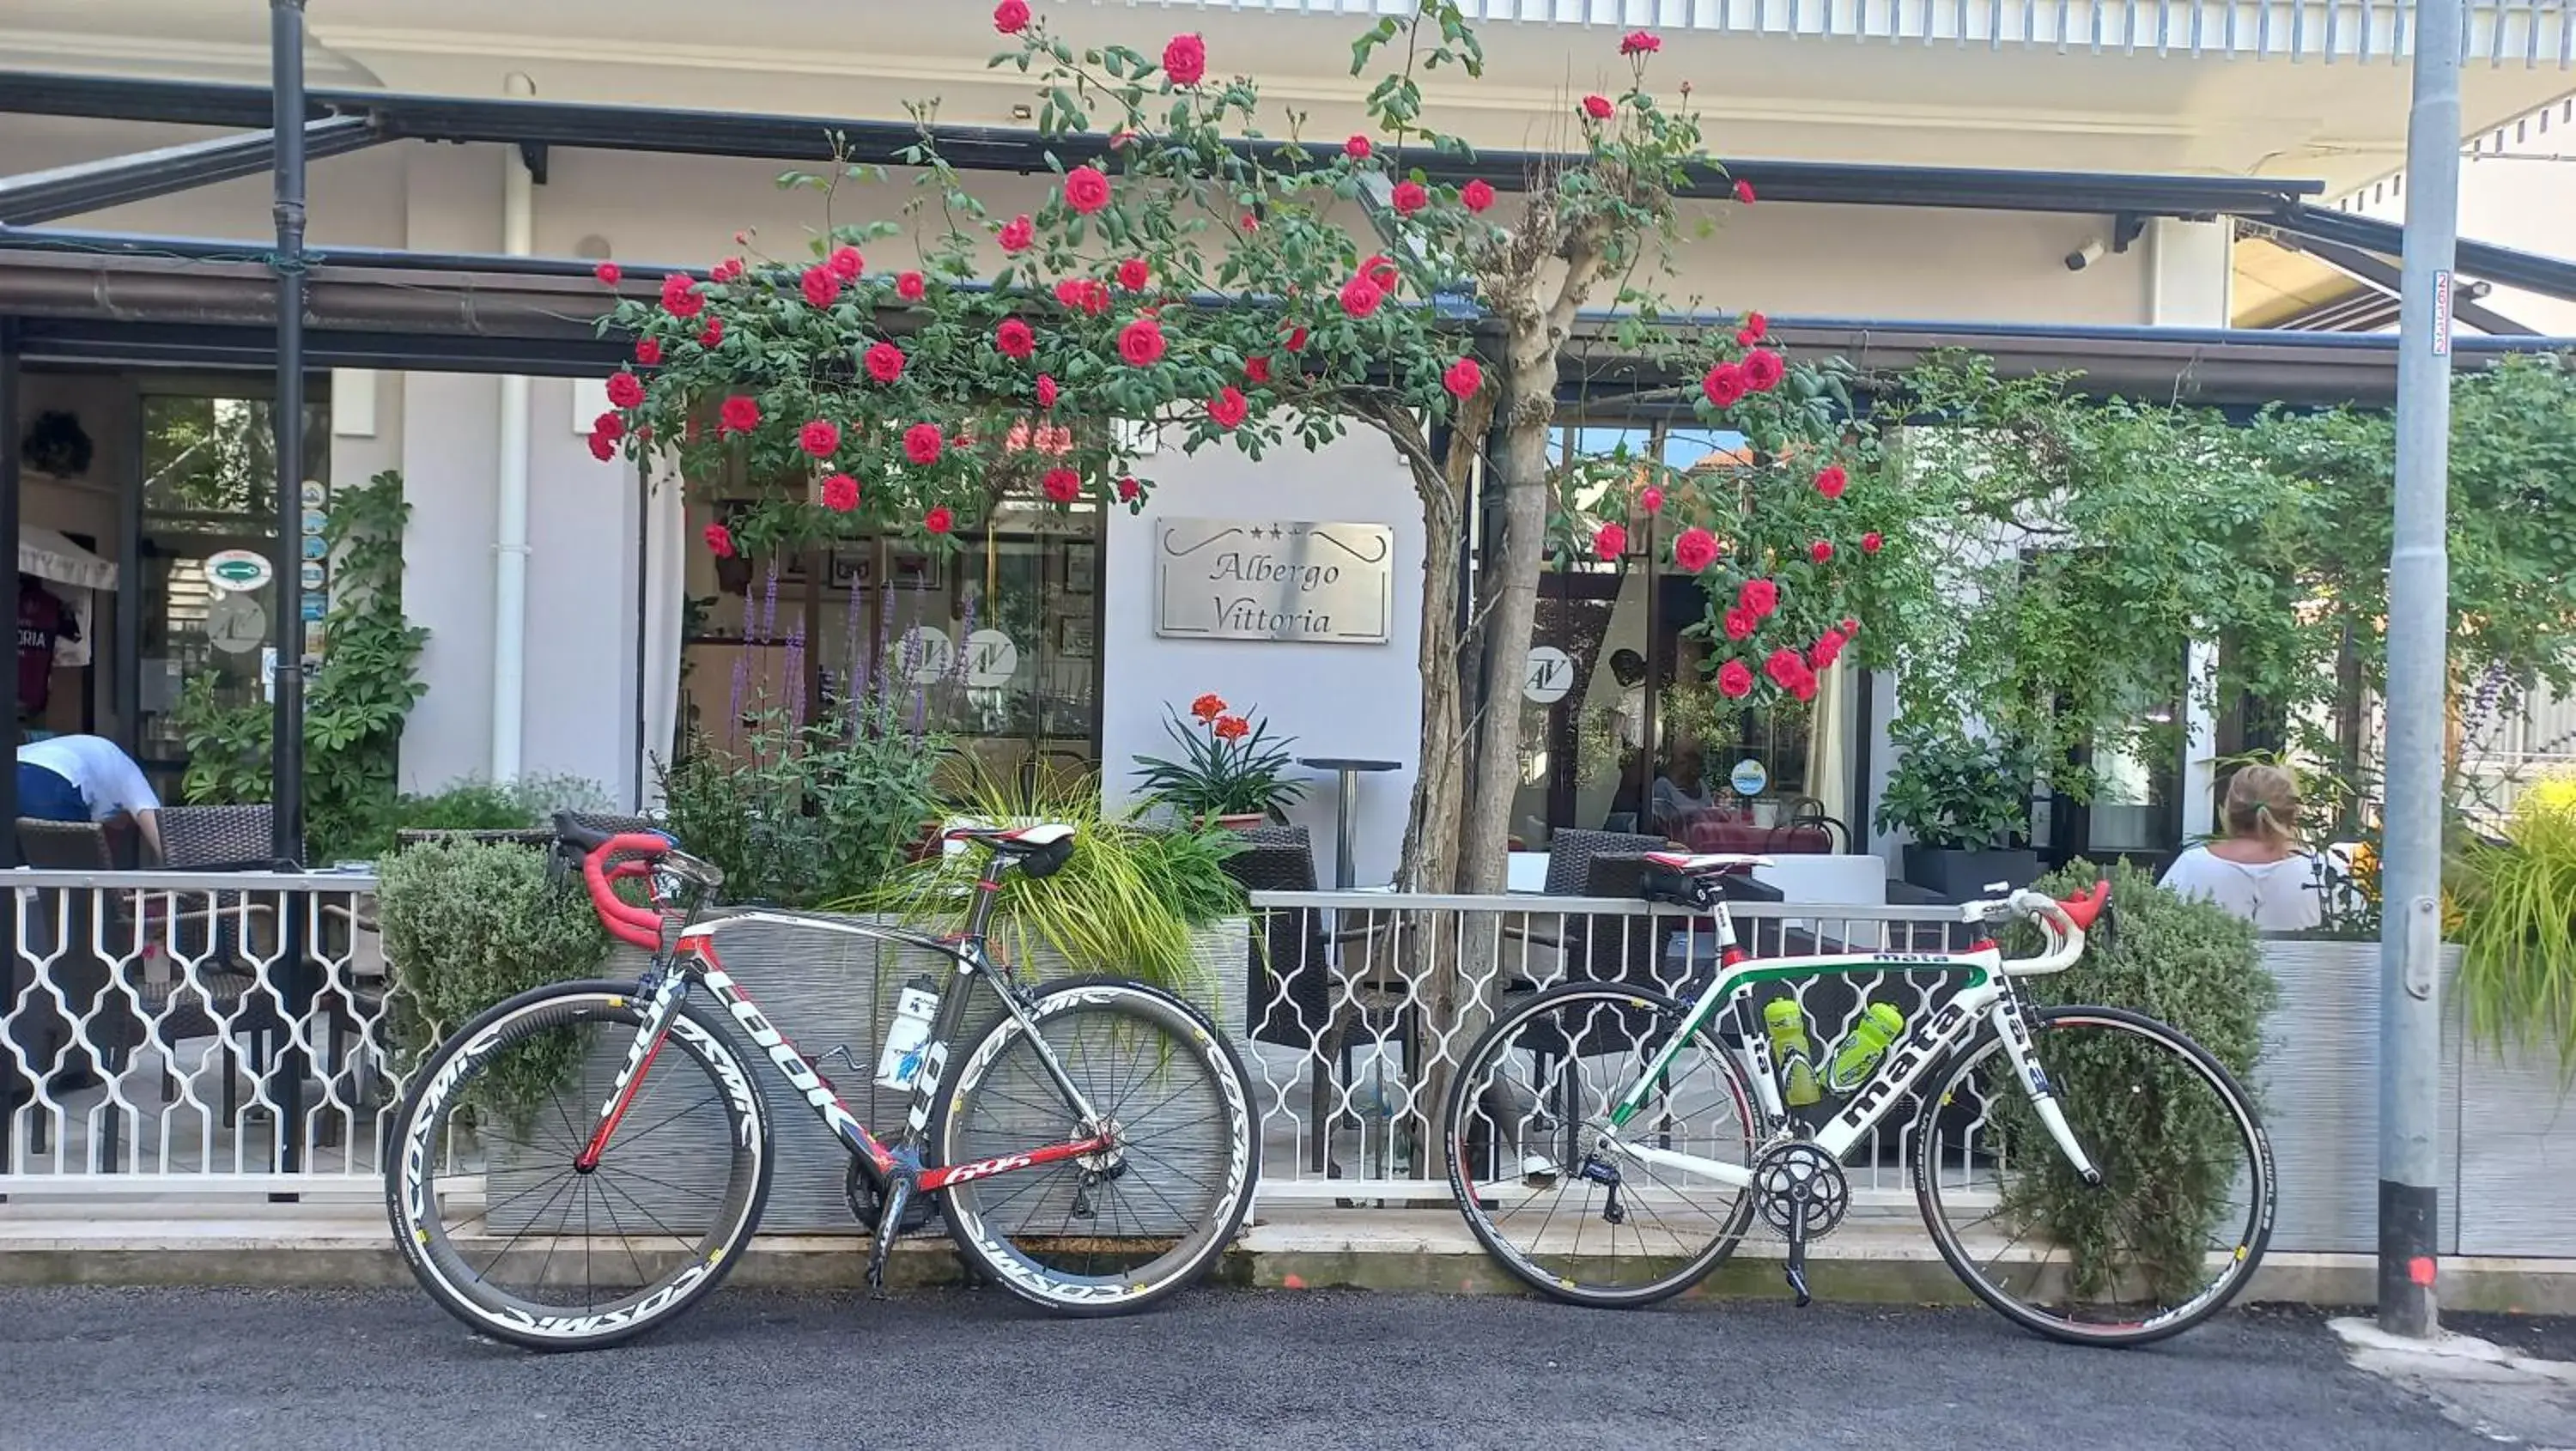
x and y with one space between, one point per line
2086 255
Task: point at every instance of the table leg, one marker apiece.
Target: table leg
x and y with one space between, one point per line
1344 877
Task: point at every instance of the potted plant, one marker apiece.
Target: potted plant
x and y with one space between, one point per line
1966 803
1229 773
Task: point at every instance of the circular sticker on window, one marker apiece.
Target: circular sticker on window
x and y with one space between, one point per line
991 659
924 653
1748 778
1550 677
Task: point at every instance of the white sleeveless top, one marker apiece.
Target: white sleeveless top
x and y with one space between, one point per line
2281 896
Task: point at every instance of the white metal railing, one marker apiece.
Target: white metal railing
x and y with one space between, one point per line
2501 32
1364 1002
206 1028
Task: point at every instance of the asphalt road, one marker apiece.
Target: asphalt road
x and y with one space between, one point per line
205 1370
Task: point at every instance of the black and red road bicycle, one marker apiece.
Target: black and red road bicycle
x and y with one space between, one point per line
588 1159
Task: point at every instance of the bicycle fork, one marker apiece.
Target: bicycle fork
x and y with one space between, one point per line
2014 1029
663 1006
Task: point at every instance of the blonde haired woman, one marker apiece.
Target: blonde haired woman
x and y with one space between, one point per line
2257 871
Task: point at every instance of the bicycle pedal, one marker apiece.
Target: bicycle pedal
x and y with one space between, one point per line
1798 1286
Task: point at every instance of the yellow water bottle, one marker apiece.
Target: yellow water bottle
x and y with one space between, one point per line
1861 1049
1791 1050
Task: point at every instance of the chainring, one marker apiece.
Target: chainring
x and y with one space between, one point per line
1795 1181
867 1202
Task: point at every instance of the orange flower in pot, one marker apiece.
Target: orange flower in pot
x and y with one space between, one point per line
1229 770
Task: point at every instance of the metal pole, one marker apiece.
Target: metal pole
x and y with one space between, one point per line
9 541
286 760
2410 1014
286 753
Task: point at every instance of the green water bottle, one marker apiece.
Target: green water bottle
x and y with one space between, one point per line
1795 1055
1861 1049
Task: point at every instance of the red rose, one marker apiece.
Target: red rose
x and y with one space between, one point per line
1740 623
1251 222
1062 485
1011 16
1850 627
1185 60
1208 707
1410 198
1597 107
1013 338
1744 192
1652 500
1821 550
1231 728
1086 190
1357 148
1870 542
1756 327
625 390
603 446
1360 296
1734 681
1141 343
910 286
1831 481
1694 549
1463 378
680 296
939 520
607 273
1133 274
1296 339
1476 195
840 493
1829 647
738 415
846 263
922 442
1256 370
822 289
1784 667
884 362
1611 542
610 424
1128 489
1763 370
726 270
1380 270
1759 596
648 351
712 334
1724 385
1805 687
1640 42
1046 390
1083 294
719 541
1018 233
819 437
1228 407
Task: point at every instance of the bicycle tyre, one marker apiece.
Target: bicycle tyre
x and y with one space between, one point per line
2247 1254
440 1259
1212 1217
1464 1099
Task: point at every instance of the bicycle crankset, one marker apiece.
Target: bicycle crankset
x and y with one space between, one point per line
867 1201
1801 1193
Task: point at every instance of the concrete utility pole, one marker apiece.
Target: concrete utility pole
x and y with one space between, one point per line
2419 612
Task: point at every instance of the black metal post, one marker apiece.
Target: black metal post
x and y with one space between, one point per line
643 567
9 543
286 760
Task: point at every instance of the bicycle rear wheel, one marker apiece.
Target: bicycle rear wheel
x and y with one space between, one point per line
502 1227
2175 1228
1116 1231
1567 1216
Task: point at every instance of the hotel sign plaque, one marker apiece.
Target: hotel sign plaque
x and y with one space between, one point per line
1241 579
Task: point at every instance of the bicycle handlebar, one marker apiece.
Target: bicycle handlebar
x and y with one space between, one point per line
608 858
2065 920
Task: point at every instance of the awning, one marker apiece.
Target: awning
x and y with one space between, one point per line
48 555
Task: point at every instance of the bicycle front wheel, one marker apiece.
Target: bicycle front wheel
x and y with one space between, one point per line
505 1229
2173 1231
1115 1231
1553 1203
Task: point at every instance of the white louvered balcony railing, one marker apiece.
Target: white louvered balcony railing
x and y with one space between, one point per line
2498 32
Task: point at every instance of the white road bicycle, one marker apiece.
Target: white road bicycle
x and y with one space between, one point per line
1611 1145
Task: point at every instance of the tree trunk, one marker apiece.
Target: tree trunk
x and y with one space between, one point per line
1430 858
1510 605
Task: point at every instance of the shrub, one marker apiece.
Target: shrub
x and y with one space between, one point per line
2190 965
469 924
798 815
2518 929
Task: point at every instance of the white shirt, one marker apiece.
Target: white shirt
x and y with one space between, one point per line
107 779
2279 896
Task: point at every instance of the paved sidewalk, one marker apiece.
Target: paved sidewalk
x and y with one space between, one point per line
180 1240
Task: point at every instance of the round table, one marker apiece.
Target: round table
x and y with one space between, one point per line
1349 770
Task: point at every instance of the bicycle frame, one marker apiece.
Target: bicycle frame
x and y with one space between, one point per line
1987 997
692 957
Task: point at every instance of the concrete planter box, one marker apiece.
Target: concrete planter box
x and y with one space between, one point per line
827 990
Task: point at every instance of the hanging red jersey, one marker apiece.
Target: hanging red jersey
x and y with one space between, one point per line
44 622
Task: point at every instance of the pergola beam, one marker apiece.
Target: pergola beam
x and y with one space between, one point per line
89 186
2529 271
